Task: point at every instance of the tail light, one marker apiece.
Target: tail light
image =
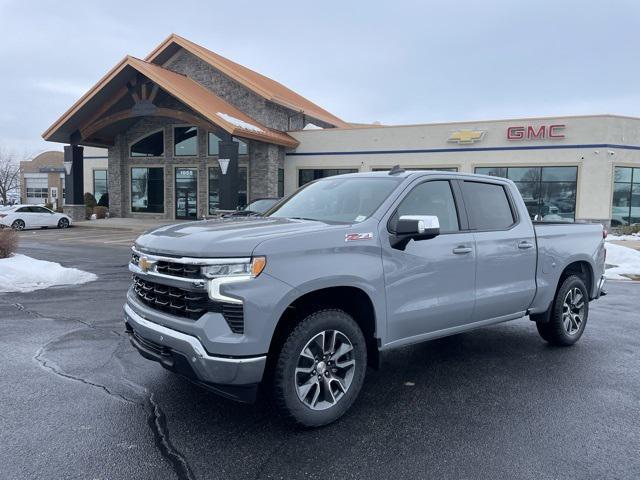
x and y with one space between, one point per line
2 215
605 233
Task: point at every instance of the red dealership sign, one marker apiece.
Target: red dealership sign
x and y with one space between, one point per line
541 132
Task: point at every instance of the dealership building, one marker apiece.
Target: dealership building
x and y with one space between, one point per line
189 133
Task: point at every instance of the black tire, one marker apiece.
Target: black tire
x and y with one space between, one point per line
563 330
286 380
18 224
63 223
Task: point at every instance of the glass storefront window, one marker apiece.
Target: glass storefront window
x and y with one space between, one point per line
214 188
147 190
625 208
243 147
150 146
187 193
99 184
185 141
548 192
306 175
213 147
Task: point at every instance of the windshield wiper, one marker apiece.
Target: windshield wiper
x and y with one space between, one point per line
304 218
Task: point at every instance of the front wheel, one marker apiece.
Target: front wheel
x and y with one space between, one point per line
63 223
569 314
321 368
18 225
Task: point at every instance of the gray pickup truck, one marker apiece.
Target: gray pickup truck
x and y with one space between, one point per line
303 299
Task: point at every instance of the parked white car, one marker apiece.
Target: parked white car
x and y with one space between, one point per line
20 217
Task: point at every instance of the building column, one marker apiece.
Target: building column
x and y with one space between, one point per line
229 181
74 182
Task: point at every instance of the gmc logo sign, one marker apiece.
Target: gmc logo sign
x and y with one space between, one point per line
535 133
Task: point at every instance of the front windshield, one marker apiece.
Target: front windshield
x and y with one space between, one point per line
261 206
334 199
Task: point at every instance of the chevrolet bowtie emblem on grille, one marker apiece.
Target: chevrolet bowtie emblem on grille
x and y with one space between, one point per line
145 264
466 137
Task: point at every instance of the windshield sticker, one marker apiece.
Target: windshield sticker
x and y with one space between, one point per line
360 218
352 237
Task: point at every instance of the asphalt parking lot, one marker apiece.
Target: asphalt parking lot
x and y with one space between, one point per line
82 235
78 402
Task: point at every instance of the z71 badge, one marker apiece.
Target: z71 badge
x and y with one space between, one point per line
352 237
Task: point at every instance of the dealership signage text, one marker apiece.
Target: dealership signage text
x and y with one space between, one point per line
541 132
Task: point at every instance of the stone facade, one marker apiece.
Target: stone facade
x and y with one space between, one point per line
263 160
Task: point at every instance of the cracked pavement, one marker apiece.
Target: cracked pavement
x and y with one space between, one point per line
78 402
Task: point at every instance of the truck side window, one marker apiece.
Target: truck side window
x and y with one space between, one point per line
487 205
431 198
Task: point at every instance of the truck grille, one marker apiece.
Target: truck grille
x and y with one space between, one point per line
185 303
174 269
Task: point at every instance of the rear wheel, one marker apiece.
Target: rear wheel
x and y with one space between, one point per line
63 223
18 225
321 368
569 314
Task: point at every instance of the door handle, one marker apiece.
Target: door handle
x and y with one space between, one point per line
461 250
525 245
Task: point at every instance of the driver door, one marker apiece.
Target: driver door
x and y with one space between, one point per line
430 285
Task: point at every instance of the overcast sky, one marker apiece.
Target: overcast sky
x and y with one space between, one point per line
396 62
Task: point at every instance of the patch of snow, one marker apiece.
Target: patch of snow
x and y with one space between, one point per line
239 123
20 273
633 236
625 259
312 126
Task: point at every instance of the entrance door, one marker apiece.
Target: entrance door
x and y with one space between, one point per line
187 193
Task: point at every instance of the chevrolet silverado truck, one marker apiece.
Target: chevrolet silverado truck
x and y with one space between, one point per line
302 300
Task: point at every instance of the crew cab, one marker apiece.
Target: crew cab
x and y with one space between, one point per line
303 299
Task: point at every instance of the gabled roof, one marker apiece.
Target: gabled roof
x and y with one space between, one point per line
261 85
188 91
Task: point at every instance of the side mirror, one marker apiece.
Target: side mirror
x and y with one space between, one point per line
415 227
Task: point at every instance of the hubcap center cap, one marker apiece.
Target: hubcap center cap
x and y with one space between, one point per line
322 367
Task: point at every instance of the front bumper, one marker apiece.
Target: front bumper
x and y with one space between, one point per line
231 377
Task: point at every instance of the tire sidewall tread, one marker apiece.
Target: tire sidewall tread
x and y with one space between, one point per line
553 331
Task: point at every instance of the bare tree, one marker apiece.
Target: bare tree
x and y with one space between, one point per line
9 174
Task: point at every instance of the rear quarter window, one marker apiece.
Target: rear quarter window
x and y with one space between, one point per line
488 206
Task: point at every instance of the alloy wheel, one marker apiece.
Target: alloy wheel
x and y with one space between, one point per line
573 311
18 225
325 370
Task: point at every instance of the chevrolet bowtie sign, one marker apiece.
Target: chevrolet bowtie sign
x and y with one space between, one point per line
466 137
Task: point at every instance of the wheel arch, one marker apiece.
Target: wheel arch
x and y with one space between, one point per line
353 300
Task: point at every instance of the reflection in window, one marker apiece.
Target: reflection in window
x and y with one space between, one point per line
280 182
625 209
213 147
431 198
243 148
150 146
548 192
147 190
214 188
185 141
306 175
99 184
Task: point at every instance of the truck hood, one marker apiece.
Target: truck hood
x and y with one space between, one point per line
235 237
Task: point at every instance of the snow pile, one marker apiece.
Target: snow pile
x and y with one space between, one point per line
312 126
239 123
633 236
20 273
625 259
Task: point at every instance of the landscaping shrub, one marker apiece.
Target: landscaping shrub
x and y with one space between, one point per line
628 229
49 205
8 242
101 212
90 200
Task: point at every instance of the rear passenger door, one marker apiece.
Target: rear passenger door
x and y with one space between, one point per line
430 285
505 250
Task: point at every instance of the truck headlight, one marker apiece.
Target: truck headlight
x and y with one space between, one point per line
251 268
224 273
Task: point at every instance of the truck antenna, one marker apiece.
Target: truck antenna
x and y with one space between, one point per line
396 169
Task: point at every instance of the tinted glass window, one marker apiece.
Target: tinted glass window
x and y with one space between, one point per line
99 184
214 188
24 210
150 146
431 198
243 148
185 141
488 206
147 190
306 175
625 208
214 146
